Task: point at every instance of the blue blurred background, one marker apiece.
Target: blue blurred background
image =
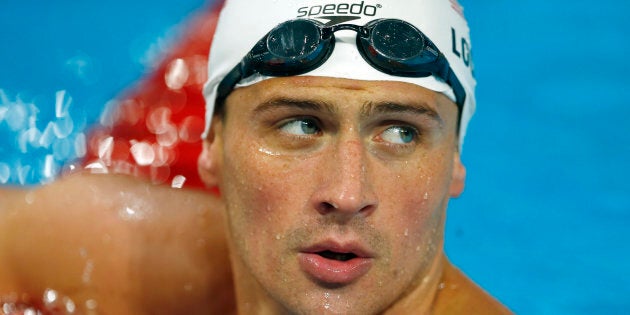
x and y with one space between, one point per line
543 222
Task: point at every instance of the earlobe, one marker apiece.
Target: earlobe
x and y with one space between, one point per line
458 176
207 164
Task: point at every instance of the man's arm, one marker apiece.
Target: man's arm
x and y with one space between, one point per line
117 243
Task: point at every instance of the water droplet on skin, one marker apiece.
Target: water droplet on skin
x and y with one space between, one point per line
406 232
268 152
8 308
29 198
326 300
87 271
50 296
91 304
128 213
70 307
278 236
426 196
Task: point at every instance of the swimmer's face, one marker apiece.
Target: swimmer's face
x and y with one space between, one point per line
335 190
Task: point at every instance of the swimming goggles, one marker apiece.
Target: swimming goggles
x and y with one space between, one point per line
298 46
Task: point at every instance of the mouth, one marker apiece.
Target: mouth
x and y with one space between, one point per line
334 264
337 256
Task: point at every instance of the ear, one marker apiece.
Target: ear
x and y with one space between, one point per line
458 177
208 164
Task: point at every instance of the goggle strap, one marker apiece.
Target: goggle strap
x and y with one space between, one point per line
228 83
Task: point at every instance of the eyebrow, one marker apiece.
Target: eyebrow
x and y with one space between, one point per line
420 109
294 103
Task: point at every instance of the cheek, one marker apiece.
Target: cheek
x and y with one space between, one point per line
416 206
260 188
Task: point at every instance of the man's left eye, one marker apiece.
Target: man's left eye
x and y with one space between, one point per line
399 134
301 127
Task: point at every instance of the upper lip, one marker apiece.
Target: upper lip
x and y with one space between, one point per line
346 247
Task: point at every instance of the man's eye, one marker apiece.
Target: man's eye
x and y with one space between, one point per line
399 135
301 127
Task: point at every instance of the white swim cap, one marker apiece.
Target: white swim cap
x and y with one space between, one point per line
243 23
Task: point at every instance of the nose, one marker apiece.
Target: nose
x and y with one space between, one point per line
345 190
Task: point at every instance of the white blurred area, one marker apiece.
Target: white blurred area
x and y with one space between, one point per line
33 151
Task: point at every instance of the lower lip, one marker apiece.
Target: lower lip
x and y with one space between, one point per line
334 271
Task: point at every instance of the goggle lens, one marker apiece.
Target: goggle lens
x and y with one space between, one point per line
396 41
294 40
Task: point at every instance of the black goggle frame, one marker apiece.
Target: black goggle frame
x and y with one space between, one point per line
298 46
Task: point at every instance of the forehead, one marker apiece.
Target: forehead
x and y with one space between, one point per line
338 91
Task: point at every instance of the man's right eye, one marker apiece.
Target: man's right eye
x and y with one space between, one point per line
301 127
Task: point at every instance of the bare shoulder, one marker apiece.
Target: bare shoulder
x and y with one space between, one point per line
459 295
123 244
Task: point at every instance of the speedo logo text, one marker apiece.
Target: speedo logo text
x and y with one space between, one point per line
359 8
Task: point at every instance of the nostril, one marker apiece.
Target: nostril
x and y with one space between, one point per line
330 205
326 207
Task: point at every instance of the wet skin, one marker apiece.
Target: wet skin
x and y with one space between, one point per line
307 167
313 169
114 243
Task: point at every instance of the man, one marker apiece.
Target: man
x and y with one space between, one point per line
335 159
